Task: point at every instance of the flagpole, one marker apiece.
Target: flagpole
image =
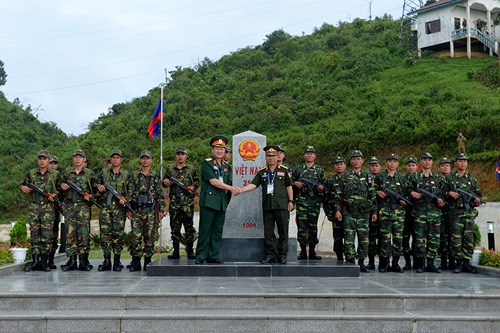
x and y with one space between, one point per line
161 161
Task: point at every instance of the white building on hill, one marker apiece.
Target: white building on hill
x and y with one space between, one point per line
453 24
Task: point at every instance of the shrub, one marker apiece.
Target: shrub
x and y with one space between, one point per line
19 235
5 255
489 258
477 236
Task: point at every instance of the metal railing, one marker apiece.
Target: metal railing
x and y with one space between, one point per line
484 37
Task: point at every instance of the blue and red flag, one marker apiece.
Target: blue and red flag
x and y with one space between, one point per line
498 170
154 125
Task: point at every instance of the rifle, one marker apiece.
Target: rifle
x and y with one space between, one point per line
429 197
396 196
311 185
119 197
182 185
468 198
80 191
45 193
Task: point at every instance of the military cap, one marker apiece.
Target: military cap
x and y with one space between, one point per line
374 160
338 159
79 152
116 152
181 150
280 148
53 158
146 153
356 153
310 149
425 155
392 156
411 159
444 160
43 153
218 141
462 156
271 150
228 149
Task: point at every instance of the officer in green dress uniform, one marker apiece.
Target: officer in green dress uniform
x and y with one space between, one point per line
277 203
215 181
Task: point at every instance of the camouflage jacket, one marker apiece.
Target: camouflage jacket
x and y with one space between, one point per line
186 175
331 188
146 190
316 174
49 181
356 194
84 180
119 181
467 182
396 183
433 183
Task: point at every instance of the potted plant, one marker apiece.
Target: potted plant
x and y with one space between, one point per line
19 241
476 243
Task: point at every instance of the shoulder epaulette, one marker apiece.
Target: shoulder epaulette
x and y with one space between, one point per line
284 167
208 159
262 168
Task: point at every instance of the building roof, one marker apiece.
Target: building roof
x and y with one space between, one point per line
435 5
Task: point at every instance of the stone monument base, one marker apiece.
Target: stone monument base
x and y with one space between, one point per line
250 249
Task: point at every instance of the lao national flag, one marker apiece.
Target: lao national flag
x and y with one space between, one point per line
154 125
498 170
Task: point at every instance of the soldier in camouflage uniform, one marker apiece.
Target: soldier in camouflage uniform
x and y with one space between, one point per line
331 188
41 211
77 212
427 214
391 214
181 207
146 194
53 164
447 261
354 205
113 212
462 214
409 226
308 203
374 226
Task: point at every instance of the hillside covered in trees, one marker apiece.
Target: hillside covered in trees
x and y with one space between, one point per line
352 85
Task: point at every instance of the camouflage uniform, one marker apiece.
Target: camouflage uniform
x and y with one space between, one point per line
462 218
427 217
113 214
408 230
447 260
181 207
308 206
145 192
356 201
331 188
391 217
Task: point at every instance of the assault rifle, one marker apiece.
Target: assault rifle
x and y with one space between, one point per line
311 185
468 198
396 196
118 196
45 193
182 185
80 191
429 197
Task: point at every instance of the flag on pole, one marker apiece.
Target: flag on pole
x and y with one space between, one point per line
498 170
155 124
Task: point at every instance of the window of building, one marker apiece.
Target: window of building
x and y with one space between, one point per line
432 26
457 23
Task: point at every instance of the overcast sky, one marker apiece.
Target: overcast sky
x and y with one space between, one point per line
72 60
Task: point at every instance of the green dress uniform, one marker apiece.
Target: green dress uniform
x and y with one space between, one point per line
275 208
213 205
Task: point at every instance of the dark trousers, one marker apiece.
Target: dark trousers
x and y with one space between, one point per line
210 233
278 217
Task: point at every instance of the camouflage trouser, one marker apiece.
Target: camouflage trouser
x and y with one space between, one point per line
462 234
445 238
55 230
373 238
179 218
408 232
77 219
144 233
391 230
355 226
307 224
111 227
427 233
338 236
41 220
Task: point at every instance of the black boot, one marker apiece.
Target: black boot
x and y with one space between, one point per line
340 256
451 263
395 265
71 265
51 260
419 264
407 266
175 254
312 253
431 267
45 262
84 264
362 267
371 262
444 263
33 265
117 265
106 264
135 265
459 266
147 261
303 252
190 251
383 264
468 268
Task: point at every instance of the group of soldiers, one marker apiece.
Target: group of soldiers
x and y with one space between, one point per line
383 209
